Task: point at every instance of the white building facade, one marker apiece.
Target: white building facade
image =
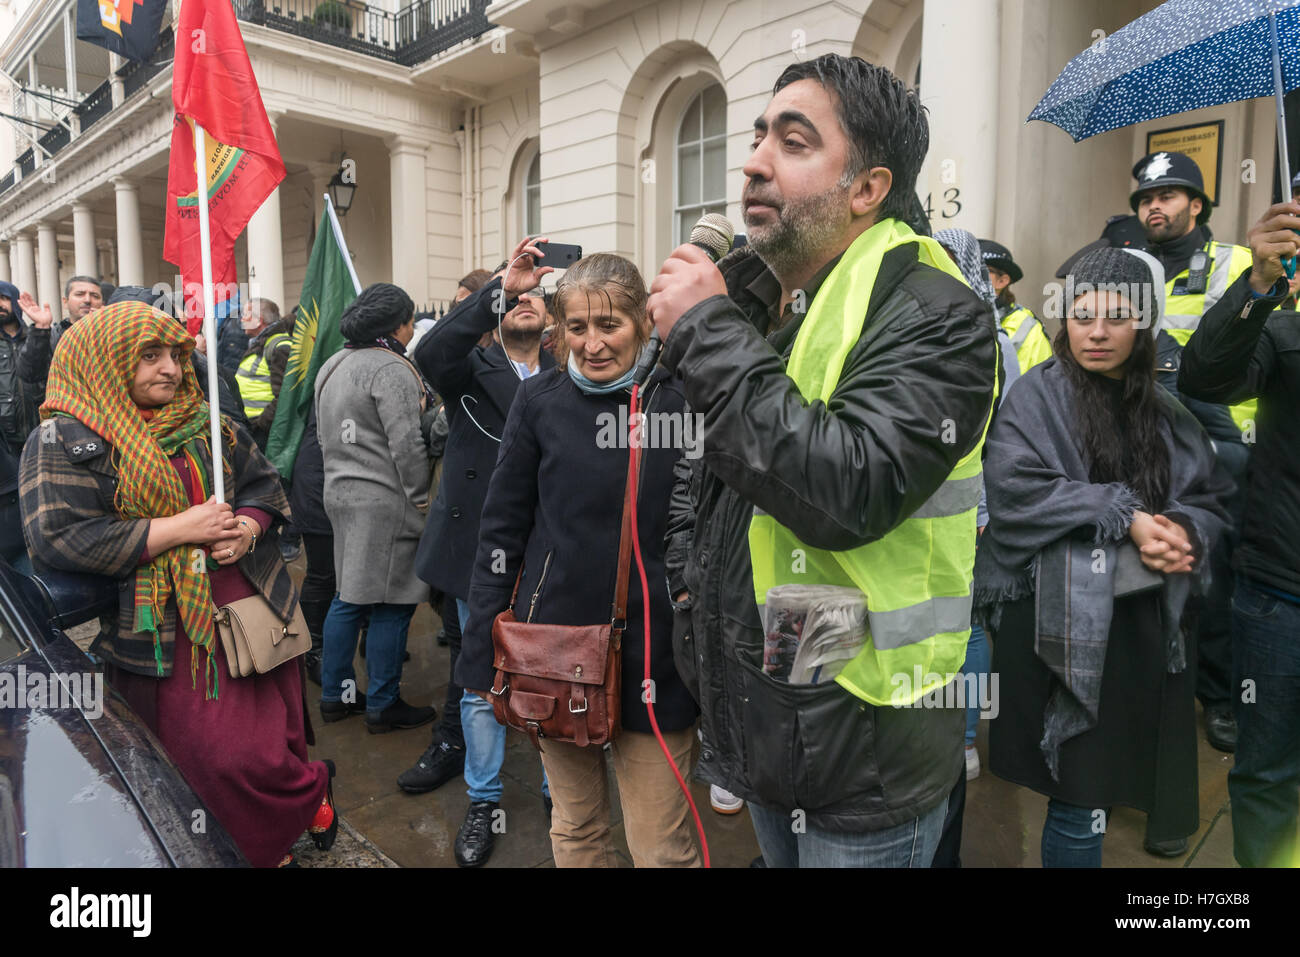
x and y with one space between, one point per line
609 123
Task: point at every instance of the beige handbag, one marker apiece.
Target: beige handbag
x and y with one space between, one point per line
256 640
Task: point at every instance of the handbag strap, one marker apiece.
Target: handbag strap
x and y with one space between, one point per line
625 542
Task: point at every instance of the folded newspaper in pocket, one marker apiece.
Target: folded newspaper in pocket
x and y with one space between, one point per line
812 631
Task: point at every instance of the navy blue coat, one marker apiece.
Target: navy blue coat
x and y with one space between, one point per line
555 504
477 385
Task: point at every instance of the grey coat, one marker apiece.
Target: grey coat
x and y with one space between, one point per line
376 473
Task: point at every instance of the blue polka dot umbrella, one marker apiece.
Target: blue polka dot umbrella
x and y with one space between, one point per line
1183 55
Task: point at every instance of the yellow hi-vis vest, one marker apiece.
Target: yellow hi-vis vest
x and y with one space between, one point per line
254 376
917 578
1183 312
1027 338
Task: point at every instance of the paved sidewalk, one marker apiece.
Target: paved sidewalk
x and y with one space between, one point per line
1002 828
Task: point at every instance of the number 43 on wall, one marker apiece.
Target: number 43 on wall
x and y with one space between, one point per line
951 201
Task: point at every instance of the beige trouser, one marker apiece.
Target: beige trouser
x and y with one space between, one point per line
656 817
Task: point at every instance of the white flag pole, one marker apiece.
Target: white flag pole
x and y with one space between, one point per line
209 312
343 245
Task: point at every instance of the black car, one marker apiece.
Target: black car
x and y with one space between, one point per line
83 781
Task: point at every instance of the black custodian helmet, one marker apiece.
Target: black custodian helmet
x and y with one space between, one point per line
999 257
1170 169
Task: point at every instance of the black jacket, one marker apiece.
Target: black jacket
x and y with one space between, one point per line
477 385
307 491
18 406
35 355
838 477
555 503
232 343
1215 418
1243 349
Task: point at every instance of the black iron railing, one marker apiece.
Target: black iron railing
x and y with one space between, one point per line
413 34
55 139
96 105
135 75
27 163
7 181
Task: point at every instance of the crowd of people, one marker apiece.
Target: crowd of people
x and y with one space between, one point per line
1107 518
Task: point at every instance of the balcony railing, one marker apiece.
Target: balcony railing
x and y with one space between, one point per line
96 105
135 75
413 34
55 139
7 181
27 163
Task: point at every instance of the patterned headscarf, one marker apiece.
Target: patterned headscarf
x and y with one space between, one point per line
90 378
965 249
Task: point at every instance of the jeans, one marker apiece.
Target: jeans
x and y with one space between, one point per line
1072 835
978 661
485 740
910 844
1264 783
385 647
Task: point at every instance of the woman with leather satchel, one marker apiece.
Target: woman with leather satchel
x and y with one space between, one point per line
1103 501
117 481
552 542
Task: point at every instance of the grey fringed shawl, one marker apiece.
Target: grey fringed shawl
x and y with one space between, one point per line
1052 528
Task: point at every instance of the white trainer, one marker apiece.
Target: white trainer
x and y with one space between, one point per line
724 802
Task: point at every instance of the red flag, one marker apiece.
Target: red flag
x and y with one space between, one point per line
213 85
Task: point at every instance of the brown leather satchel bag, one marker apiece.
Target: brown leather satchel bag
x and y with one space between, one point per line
564 682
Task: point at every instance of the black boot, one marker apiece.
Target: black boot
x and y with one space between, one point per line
400 715
474 842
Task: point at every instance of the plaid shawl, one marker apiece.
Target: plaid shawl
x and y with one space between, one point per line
89 380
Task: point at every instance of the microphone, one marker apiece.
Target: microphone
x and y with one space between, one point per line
714 234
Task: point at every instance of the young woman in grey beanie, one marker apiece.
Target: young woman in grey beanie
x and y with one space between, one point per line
1102 502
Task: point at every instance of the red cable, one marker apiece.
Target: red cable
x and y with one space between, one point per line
645 614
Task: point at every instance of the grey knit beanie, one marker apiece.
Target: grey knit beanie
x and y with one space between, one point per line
1132 273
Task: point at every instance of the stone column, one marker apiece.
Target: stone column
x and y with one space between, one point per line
410 226
47 278
266 246
6 268
960 171
130 255
83 239
106 261
25 271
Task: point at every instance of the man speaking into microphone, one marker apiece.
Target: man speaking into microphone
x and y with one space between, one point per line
846 375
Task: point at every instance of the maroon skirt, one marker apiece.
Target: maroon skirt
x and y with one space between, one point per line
244 753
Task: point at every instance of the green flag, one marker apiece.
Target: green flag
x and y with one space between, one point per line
326 291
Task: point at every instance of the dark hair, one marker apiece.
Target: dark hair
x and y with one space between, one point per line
1006 298
883 120
67 286
1119 432
106 291
378 310
156 297
474 281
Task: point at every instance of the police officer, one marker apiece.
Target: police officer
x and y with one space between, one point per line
1027 336
1173 208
